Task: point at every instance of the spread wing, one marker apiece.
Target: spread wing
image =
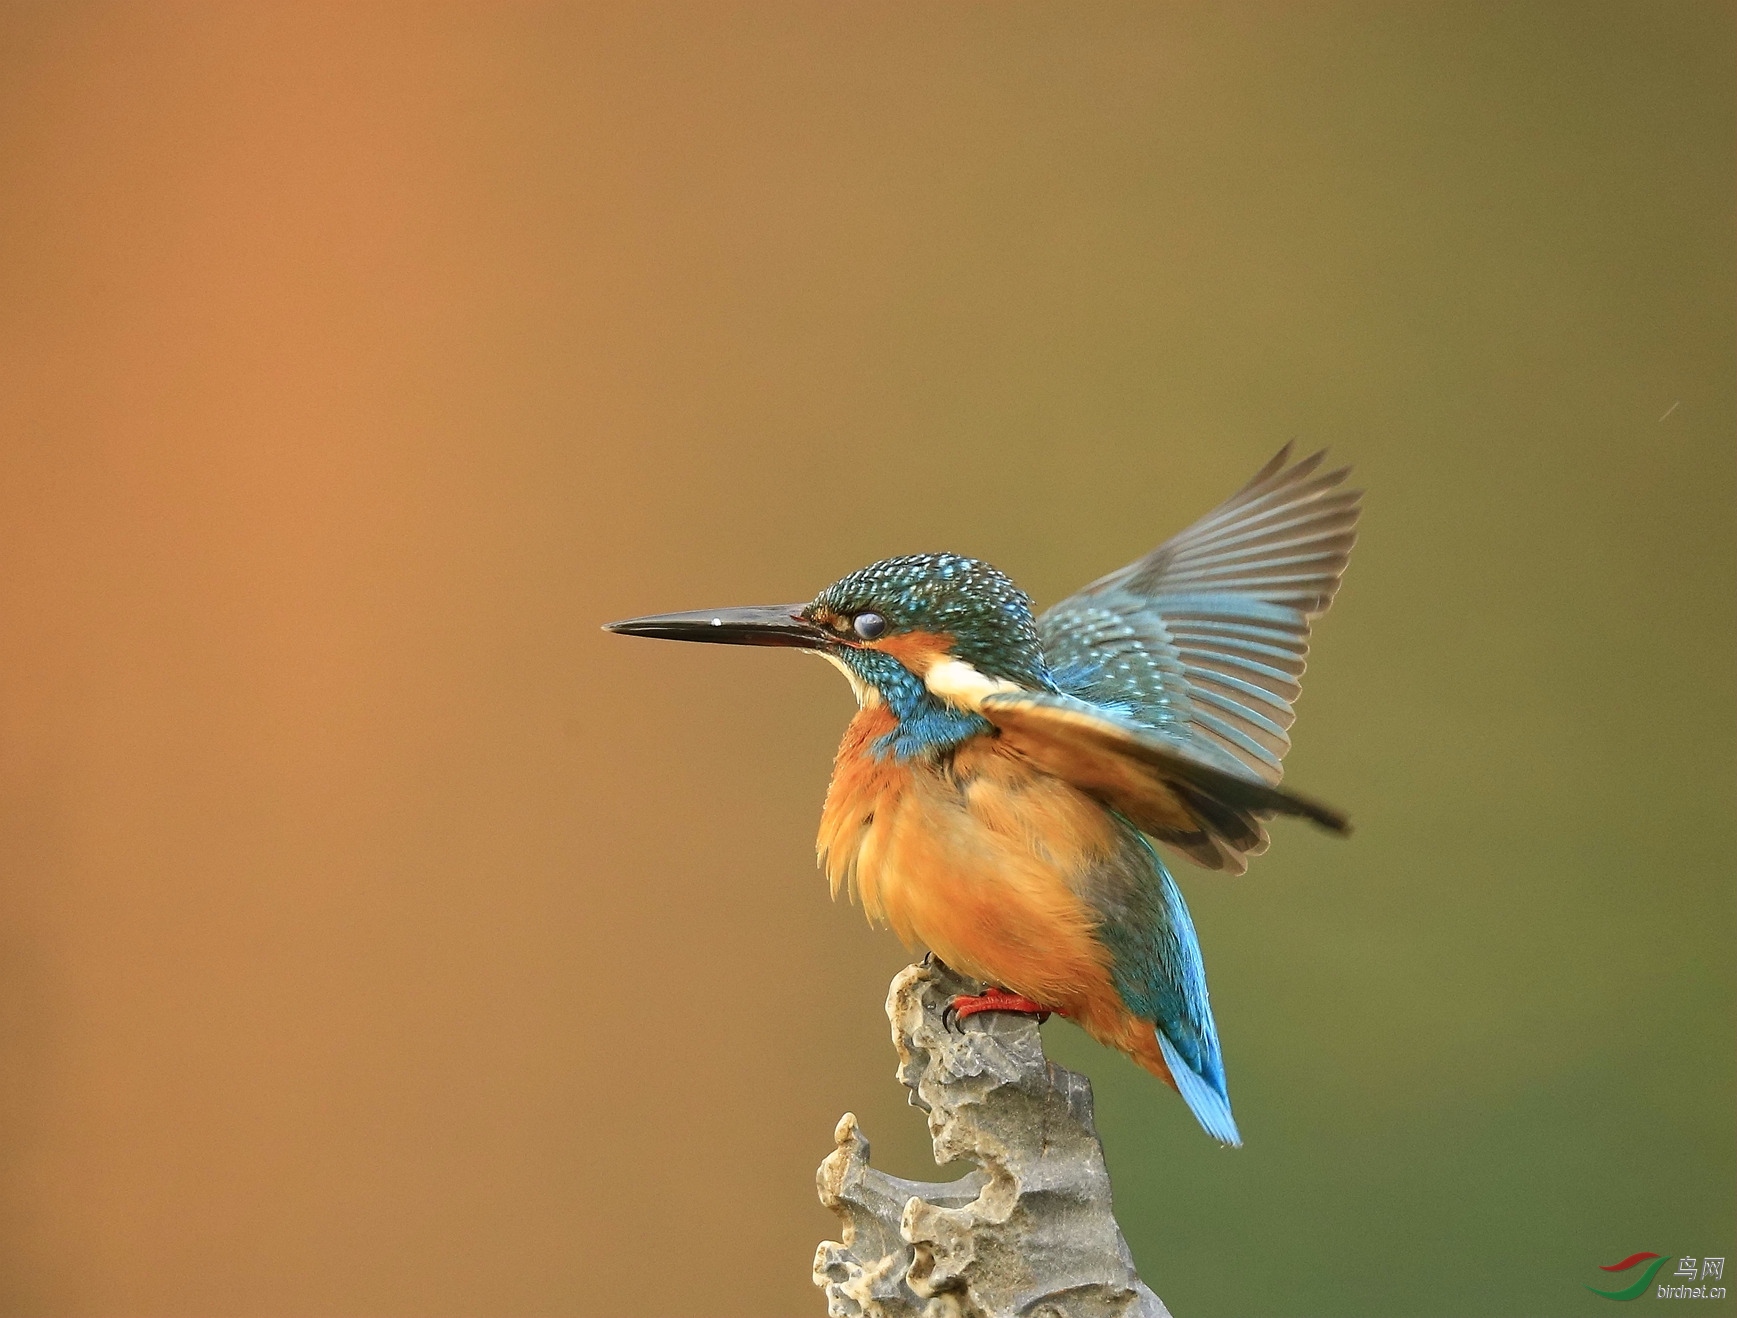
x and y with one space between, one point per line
1211 813
1204 639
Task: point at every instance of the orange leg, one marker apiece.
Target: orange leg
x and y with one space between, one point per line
995 999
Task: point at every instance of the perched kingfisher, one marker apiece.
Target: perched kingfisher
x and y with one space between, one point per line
997 796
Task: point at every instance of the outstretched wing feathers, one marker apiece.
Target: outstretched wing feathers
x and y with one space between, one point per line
1220 615
1205 639
1283 537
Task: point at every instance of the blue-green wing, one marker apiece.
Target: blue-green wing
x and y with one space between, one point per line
1205 638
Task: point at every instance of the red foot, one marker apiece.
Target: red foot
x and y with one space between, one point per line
997 999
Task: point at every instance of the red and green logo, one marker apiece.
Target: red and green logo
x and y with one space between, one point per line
1637 1290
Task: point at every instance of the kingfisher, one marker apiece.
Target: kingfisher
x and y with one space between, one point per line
1001 793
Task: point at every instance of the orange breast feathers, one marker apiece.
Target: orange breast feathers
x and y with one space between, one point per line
981 858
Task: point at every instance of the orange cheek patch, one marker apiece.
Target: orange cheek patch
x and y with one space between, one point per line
917 651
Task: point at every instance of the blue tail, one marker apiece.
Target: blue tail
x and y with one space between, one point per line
1211 1107
1186 1034
1155 961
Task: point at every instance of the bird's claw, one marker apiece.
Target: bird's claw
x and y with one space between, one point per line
992 998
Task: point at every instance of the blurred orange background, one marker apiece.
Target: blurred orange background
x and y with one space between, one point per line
378 937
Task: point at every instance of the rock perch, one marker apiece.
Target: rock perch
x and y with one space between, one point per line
1030 1233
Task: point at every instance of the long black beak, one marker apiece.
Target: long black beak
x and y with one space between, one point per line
765 624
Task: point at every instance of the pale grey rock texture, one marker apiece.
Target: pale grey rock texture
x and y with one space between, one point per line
1030 1233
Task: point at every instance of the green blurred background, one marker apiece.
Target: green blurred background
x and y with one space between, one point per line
377 937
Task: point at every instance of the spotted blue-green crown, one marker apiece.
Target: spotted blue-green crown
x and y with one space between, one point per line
988 617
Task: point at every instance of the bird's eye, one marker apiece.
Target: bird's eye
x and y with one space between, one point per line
869 625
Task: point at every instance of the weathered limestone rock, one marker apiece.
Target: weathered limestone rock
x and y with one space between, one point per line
1030 1233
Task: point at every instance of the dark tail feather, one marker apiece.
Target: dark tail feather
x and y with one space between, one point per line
1257 798
1227 811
